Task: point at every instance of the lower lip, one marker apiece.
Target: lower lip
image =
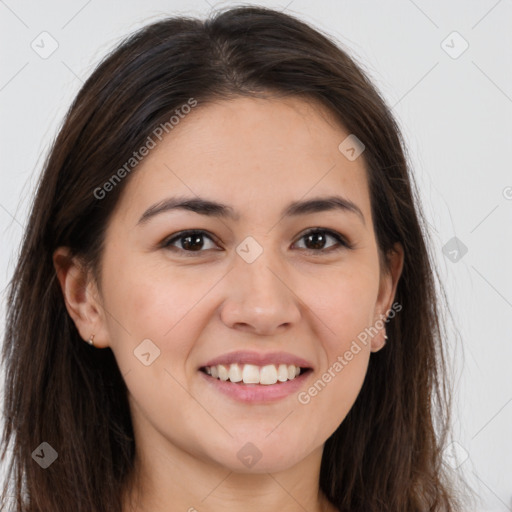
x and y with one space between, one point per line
257 393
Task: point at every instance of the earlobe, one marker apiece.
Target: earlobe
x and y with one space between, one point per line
80 296
387 292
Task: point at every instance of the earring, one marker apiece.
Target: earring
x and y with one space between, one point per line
91 340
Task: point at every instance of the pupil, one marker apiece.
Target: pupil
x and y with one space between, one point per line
196 240
315 237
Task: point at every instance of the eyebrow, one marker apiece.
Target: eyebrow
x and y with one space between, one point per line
214 209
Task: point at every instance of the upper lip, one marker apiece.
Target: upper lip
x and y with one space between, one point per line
258 358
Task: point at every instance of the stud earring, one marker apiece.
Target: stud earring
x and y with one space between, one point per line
91 340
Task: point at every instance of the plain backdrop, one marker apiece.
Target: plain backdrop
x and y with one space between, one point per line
445 68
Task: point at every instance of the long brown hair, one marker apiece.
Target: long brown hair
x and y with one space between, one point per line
386 455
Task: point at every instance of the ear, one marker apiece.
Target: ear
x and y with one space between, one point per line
81 297
387 290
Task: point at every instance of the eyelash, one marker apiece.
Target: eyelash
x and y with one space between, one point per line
342 243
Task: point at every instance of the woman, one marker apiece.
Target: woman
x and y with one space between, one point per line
147 371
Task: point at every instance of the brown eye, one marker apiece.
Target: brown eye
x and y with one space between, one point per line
190 241
193 241
316 239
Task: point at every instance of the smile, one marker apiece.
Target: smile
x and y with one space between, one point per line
256 392
253 374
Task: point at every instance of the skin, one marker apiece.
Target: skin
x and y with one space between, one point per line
256 155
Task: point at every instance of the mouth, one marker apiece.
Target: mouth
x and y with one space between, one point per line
251 374
252 384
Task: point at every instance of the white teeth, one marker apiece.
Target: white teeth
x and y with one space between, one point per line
235 373
268 374
282 373
253 374
223 372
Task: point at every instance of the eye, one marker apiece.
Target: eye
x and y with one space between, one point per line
192 241
317 238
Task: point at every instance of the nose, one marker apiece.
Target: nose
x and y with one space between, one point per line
259 298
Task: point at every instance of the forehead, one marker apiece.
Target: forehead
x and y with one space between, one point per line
251 153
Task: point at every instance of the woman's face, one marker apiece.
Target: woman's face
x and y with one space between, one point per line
252 280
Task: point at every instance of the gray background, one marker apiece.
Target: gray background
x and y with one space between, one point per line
455 110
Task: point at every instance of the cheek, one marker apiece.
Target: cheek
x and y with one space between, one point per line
147 302
332 393
345 303
153 325
344 308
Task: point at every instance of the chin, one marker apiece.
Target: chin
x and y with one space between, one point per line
255 458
